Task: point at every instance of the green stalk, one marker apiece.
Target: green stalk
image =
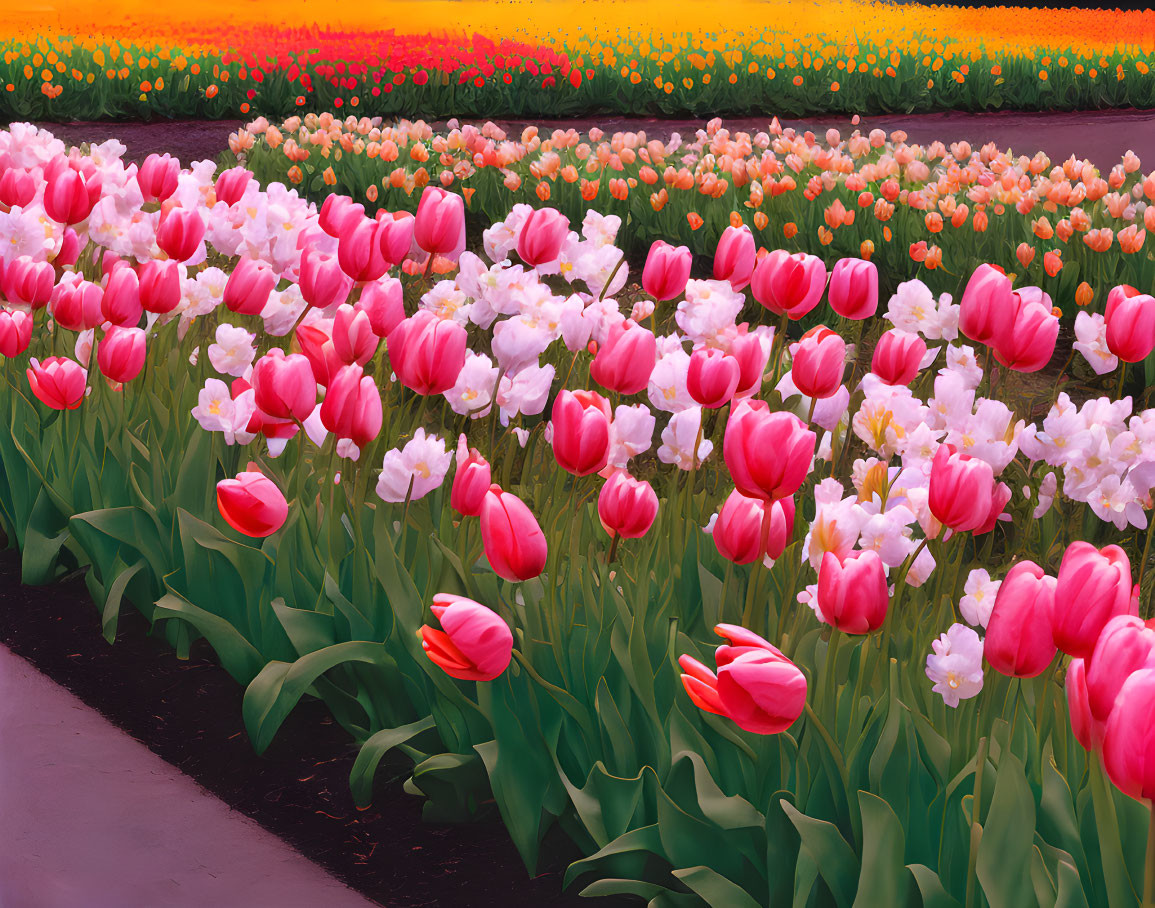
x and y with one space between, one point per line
1149 870
976 829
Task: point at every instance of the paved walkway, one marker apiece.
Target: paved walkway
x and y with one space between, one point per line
90 818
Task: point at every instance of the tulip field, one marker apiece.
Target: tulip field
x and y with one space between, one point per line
772 571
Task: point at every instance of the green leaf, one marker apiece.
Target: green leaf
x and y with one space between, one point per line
715 889
112 600
884 879
930 887
44 537
1070 893
372 752
238 657
828 849
1008 838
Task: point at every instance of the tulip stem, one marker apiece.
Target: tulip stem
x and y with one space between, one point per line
976 829
1146 552
613 548
610 279
1149 871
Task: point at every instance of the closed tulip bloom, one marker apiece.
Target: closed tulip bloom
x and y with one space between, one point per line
852 591
738 530
395 235
1125 645
789 284
384 302
284 387
475 645
157 177
853 289
752 351
1029 341
252 504
581 431
70 196
471 482
627 506
318 348
768 454
352 406
427 352
120 353
338 213
15 332
180 233
713 377
1018 641
961 489
541 236
1128 755
159 286
76 304
626 360
359 250
440 225
17 188
511 536
353 336
29 283
819 363
666 271
1130 319
231 185
69 249
1000 495
735 257
57 382
1093 587
121 301
898 357
248 287
322 282
1087 731
985 312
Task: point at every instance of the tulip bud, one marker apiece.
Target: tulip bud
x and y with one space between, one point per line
626 359
898 357
768 454
511 536
352 406
395 235
338 213
581 431
439 228
666 271
70 196
248 287
384 302
76 303
852 591
819 363
1128 756
735 257
159 286
713 377
15 332
120 354
1125 645
1093 587
471 482
284 386
322 282
1130 317
231 184
627 507
353 337
121 301
1087 731
180 233
427 352
985 312
157 177
961 489
1018 641
17 188
854 288
789 284
1028 344
29 283
252 504
359 250
541 236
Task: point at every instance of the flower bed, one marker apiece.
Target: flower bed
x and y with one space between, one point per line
931 211
480 59
537 629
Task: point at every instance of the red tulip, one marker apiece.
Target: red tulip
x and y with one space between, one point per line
627 507
854 288
180 233
248 287
15 332
961 489
1125 645
120 354
510 534
581 431
395 235
29 283
541 236
1128 756
322 282
713 377
1130 323
157 177
471 482
252 504
338 213
898 357
852 591
475 645
353 337
1087 731
284 386
768 454
1029 342
70 196
666 271
159 286
384 302
58 383
352 406
1018 641
735 257
427 352
985 312
789 284
231 185
318 348
819 363
359 250
440 225
624 362
1093 587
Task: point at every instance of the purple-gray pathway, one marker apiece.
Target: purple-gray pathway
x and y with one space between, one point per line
91 818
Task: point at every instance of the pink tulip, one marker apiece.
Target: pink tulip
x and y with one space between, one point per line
475 645
961 489
985 313
395 235
384 302
768 454
471 482
1018 641
322 282
284 386
852 591
854 288
1000 495
318 348
427 352
756 687
29 283
252 504
626 360
15 332
735 257
752 355
819 363
76 304
898 357
541 236
1125 645
180 233
713 377
353 336
748 529
70 196
1093 587
511 536
58 383
666 271
440 225
581 431
789 284
338 214
17 188
121 301
359 250
1087 731
120 354
231 185
1128 756
1029 342
352 406
248 287
627 507
1130 323
69 249
157 177
159 286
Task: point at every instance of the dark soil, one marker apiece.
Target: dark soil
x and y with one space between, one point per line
189 140
189 713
